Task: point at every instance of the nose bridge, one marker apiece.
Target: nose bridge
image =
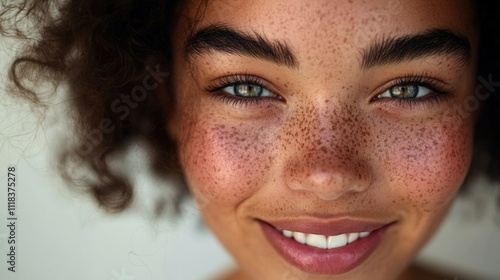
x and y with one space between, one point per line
327 133
325 157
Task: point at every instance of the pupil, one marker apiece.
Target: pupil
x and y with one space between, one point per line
404 91
246 90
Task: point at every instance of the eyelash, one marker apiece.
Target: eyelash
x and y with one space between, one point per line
418 80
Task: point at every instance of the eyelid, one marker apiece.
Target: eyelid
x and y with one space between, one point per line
226 81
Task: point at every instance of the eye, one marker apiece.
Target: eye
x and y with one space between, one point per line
414 90
248 90
243 90
406 91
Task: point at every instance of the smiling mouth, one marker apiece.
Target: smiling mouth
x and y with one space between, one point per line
321 247
324 241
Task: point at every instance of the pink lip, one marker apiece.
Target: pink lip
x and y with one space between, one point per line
324 261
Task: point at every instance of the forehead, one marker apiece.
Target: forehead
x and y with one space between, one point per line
353 21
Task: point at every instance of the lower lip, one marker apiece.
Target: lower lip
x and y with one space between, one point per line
323 261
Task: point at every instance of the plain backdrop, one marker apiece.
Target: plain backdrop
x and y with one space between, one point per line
61 234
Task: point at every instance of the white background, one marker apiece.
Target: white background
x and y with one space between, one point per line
61 234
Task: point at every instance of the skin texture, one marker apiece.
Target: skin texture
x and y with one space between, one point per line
327 147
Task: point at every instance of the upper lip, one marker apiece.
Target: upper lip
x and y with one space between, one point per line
327 227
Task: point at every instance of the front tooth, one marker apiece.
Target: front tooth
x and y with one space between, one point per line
287 233
353 237
299 237
316 240
337 241
364 234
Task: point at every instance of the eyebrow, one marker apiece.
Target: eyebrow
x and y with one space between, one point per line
224 39
410 47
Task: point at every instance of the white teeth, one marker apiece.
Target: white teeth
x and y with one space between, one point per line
364 234
337 241
299 237
316 240
353 237
325 242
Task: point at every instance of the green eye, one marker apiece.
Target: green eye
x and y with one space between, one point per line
247 90
406 91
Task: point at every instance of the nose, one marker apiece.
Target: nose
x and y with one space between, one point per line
328 153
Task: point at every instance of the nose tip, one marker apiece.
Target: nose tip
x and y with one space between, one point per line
330 185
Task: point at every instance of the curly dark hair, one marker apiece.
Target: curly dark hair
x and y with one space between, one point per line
106 49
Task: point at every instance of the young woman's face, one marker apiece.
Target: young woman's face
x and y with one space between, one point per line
327 118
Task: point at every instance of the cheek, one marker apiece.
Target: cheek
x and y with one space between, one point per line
226 162
425 163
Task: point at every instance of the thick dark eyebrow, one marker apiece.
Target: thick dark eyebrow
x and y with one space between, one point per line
410 47
224 39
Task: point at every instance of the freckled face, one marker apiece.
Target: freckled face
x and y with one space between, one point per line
329 136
